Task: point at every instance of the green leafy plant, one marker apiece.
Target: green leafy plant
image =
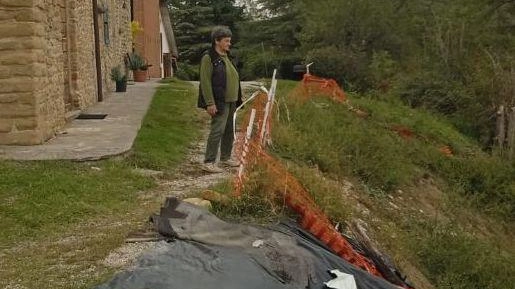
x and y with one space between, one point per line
136 62
117 75
187 72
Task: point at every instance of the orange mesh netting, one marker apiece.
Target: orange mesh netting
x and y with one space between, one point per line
250 148
313 85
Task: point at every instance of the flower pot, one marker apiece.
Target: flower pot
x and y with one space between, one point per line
140 75
121 86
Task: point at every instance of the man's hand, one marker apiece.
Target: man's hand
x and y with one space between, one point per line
211 110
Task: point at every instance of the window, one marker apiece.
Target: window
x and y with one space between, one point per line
107 33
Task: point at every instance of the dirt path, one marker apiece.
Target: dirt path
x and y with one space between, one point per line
76 257
187 179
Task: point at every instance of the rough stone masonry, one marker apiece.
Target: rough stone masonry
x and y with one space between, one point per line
47 62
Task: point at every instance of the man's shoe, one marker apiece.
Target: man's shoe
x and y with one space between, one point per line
211 168
230 163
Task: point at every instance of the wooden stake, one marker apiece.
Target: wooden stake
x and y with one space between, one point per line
511 134
501 128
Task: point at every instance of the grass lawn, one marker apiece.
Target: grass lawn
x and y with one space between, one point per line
60 218
170 125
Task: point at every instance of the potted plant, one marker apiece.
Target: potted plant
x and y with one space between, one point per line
120 79
138 67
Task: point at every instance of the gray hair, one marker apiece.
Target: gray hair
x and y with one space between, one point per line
220 32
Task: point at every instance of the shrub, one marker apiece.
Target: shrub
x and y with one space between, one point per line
340 143
136 61
432 90
117 75
382 69
257 64
454 259
344 65
187 71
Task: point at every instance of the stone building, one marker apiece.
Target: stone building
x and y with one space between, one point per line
56 59
156 43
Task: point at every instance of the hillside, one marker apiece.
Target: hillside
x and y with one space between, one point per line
432 200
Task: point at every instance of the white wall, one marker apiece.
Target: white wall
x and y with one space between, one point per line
165 47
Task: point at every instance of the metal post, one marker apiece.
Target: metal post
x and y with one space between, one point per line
264 57
98 59
246 146
271 96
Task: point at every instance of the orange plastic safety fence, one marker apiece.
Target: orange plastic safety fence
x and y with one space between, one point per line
251 151
313 85
311 217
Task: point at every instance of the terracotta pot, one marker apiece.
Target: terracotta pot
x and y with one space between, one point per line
140 75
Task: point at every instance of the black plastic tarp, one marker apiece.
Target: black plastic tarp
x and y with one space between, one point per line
209 253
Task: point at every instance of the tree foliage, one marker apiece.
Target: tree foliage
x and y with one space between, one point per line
269 38
455 57
193 21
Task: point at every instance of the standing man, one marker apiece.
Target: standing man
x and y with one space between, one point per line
219 95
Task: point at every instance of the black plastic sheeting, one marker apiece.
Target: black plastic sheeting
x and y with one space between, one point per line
210 253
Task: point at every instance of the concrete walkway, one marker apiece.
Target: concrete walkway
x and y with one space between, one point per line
91 139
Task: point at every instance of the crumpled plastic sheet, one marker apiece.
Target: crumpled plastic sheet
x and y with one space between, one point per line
210 253
342 281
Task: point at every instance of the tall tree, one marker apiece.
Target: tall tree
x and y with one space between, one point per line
269 38
193 21
452 56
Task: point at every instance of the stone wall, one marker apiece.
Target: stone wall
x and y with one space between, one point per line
117 13
22 60
47 62
82 54
50 90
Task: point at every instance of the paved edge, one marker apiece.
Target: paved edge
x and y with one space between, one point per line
91 140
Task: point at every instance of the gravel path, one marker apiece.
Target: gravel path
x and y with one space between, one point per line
188 178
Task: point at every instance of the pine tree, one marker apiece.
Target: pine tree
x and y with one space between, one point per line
193 21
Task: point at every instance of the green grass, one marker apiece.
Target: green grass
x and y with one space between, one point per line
340 143
324 144
454 258
42 198
93 205
426 126
172 122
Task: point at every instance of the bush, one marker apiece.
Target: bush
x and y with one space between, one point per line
117 75
340 143
432 90
487 181
347 67
187 71
454 259
136 61
257 64
382 70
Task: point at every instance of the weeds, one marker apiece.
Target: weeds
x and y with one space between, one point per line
325 142
455 259
257 204
340 143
